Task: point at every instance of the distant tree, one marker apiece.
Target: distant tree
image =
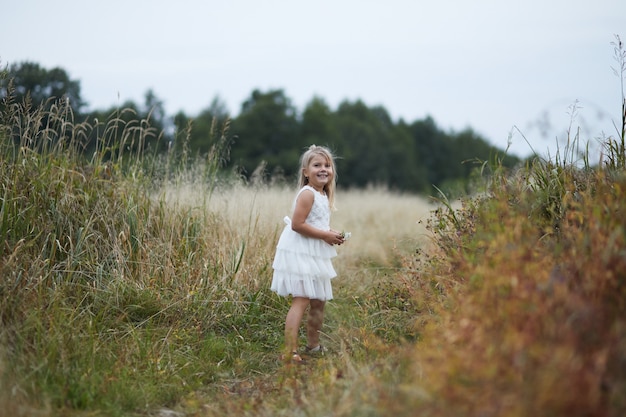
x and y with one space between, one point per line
266 131
129 128
154 118
406 172
376 151
317 125
452 157
365 135
218 110
37 85
154 110
199 133
268 134
434 150
111 127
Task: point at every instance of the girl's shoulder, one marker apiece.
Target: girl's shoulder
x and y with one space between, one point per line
305 188
301 190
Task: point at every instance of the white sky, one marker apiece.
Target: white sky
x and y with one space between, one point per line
485 64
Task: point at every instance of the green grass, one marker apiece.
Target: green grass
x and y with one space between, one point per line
117 299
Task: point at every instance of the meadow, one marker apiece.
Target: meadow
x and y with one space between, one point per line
138 285
123 294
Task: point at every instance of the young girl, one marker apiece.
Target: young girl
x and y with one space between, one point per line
302 265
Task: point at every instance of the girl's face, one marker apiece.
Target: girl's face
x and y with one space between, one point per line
319 171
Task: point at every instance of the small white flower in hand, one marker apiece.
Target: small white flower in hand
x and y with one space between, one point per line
346 235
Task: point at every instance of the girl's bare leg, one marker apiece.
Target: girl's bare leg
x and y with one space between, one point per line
314 323
293 321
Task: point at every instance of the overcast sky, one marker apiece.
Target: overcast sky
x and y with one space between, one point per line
495 66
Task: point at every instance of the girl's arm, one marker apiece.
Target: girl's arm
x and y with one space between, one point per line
304 203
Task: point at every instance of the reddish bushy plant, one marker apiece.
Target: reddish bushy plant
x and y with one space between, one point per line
534 324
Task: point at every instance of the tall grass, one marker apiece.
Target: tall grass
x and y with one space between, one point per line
133 283
109 298
534 318
136 284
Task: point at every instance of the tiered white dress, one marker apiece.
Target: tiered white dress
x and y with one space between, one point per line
302 265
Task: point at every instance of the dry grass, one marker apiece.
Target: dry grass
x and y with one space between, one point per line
385 226
119 301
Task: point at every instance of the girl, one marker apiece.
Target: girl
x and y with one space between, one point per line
302 265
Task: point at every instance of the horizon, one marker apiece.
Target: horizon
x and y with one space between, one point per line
509 72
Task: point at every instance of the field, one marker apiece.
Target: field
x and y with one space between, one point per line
125 298
381 220
139 286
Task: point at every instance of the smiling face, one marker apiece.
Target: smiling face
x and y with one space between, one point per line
319 172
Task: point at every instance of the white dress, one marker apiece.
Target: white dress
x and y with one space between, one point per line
302 265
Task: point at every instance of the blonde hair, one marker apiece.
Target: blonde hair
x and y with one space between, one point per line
305 159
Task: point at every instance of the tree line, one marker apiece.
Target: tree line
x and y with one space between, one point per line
269 133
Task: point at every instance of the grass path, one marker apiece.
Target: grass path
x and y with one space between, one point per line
363 323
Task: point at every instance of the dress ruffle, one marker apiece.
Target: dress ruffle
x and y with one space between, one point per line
302 266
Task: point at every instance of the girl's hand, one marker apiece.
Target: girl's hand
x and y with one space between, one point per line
333 237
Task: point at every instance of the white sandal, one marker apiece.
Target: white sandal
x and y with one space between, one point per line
319 349
295 358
